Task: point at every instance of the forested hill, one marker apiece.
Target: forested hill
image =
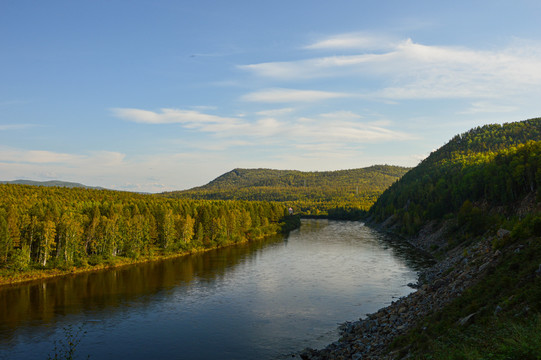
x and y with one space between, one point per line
493 165
375 177
475 204
307 192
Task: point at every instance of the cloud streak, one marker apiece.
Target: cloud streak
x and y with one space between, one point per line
14 155
409 70
291 96
276 126
355 41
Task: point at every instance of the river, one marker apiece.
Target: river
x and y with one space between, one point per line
261 300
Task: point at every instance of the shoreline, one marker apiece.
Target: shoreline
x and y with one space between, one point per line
43 274
372 336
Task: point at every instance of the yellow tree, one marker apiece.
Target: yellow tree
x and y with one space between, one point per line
69 235
5 240
47 232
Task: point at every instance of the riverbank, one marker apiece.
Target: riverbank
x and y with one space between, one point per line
377 335
12 277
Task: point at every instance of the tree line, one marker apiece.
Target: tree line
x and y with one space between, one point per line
57 227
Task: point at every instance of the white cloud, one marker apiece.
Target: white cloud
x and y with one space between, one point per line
45 157
341 115
36 156
339 126
488 107
409 70
309 69
168 116
323 130
275 112
291 96
357 41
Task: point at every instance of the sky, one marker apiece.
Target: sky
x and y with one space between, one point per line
155 96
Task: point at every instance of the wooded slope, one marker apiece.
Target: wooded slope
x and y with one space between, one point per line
475 204
307 192
494 165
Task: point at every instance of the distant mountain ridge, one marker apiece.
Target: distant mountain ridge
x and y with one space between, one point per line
58 183
312 192
295 178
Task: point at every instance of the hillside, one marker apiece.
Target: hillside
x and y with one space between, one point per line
490 166
310 193
475 205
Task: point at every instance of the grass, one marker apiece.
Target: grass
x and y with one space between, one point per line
505 339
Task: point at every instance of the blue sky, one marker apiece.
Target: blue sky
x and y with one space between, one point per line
164 95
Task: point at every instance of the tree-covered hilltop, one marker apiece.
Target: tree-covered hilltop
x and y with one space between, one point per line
58 227
487 167
310 193
475 204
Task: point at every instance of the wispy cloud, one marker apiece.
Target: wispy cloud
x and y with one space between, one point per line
15 155
409 70
342 126
188 118
356 41
279 95
15 126
488 107
168 116
275 112
36 156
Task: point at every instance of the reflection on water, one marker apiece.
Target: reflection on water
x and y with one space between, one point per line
258 300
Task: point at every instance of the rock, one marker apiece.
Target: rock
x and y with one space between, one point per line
438 283
503 233
484 266
466 319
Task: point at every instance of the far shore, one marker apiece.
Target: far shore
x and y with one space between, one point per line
18 278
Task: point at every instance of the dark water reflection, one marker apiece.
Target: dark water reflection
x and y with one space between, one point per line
254 301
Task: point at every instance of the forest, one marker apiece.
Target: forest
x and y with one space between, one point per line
344 194
64 228
479 189
485 168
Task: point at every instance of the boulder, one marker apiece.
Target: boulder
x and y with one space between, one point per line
503 233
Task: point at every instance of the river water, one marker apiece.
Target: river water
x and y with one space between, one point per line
262 300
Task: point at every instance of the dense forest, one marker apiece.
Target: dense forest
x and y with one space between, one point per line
487 167
479 191
54 227
343 193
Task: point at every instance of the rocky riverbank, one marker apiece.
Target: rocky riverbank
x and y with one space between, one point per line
370 337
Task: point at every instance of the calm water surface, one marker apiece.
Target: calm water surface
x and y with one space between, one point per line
253 301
